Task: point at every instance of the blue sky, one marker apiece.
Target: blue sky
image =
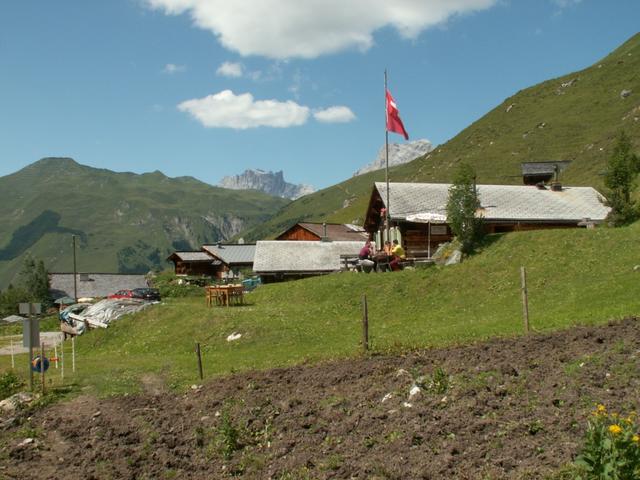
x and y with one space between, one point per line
209 88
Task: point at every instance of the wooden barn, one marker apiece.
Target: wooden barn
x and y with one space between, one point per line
196 263
334 232
216 260
417 211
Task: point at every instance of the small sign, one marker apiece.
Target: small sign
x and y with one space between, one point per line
30 308
30 332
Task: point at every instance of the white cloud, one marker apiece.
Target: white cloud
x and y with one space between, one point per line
228 110
337 114
172 68
310 28
230 69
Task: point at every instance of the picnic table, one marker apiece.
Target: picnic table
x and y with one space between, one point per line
224 295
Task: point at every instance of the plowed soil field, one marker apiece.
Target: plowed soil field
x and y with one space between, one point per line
502 409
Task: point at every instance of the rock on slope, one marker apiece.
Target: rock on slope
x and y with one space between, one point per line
399 153
272 183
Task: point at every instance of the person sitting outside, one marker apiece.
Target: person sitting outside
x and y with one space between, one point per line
367 262
382 257
397 252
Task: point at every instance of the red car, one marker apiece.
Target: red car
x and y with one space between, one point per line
122 294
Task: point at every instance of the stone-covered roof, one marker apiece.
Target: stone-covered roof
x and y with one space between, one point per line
232 254
94 284
537 168
499 202
198 256
302 256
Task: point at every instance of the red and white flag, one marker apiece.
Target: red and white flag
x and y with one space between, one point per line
394 124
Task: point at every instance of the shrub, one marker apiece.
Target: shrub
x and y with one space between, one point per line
439 381
10 383
229 436
171 285
612 447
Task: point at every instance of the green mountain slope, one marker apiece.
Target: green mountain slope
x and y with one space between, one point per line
575 117
124 222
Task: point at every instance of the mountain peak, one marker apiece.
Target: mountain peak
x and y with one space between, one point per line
272 183
399 153
56 162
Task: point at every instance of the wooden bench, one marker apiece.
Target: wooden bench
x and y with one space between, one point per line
350 263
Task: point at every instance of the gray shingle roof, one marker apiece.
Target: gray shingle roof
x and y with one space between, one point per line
536 168
94 284
232 254
194 256
302 256
499 202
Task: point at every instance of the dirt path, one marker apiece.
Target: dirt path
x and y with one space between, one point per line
508 409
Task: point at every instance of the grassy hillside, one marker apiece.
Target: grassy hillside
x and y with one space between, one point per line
124 222
549 121
575 277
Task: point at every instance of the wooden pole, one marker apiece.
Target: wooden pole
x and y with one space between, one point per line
199 354
525 298
365 324
30 350
13 361
42 366
55 353
75 271
62 361
73 354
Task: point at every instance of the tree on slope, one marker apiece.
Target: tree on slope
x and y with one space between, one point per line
34 280
462 206
620 179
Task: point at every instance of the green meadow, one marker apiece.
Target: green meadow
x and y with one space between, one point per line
574 277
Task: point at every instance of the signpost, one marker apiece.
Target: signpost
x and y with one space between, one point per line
30 331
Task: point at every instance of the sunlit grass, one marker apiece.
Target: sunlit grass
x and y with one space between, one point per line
574 277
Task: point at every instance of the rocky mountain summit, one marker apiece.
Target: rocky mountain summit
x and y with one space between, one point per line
272 183
399 153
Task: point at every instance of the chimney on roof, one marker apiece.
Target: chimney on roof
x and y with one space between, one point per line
324 238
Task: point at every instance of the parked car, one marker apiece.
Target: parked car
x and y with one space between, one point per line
151 294
123 294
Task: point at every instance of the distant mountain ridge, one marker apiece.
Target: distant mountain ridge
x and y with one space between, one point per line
124 222
399 153
271 183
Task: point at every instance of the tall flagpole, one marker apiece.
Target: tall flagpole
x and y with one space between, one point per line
386 148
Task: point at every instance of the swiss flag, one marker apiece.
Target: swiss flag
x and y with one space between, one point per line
394 124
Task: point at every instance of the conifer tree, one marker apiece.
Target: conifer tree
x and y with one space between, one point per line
620 179
461 209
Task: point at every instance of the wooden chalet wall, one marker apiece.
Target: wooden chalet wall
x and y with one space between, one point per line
298 233
196 268
415 238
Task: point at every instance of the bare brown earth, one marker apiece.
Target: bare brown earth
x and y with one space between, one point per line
515 408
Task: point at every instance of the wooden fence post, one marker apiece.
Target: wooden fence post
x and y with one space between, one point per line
525 298
198 353
365 324
42 366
